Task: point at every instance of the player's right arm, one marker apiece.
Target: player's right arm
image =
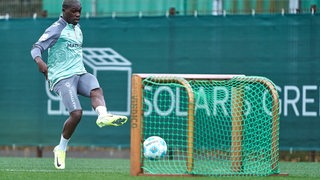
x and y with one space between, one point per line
47 40
42 66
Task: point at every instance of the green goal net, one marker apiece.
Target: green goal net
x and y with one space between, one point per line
212 127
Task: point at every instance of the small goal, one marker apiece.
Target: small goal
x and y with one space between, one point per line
214 125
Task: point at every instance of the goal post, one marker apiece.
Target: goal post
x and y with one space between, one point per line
213 124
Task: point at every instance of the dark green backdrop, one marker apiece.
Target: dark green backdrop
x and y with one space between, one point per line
281 48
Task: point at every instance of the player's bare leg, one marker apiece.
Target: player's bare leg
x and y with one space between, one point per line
97 98
104 118
69 127
71 123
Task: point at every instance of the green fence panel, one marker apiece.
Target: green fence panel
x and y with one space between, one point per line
125 8
281 48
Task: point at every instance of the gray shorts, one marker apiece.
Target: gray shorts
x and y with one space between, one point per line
69 88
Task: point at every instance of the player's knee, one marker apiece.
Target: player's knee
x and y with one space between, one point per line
76 115
96 92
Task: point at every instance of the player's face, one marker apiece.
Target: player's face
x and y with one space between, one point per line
72 13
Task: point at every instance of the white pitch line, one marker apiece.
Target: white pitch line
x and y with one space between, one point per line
28 170
39 170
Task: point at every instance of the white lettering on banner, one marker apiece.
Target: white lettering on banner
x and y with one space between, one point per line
248 105
306 101
292 101
148 104
220 94
174 102
202 102
221 102
155 100
178 111
264 104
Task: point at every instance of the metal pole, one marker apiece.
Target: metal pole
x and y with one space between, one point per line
93 8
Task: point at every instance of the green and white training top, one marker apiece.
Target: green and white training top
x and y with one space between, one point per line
64 44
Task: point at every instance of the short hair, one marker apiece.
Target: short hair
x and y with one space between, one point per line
68 3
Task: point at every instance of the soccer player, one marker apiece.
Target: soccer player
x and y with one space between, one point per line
65 72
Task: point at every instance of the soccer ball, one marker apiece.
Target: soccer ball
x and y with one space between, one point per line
154 148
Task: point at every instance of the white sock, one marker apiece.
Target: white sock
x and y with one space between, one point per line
101 110
63 143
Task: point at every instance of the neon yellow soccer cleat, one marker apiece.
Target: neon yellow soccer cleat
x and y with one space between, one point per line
59 158
111 120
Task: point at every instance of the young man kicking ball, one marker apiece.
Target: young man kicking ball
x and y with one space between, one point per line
67 75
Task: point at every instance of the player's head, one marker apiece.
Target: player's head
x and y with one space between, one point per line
71 11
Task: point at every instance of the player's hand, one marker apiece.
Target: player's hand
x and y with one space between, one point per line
42 66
